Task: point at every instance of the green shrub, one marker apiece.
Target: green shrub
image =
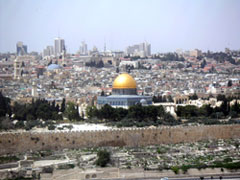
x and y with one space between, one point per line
175 169
228 159
48 169
185 168
162 150
8 159
51 127
235 165
31 123
19 124
103 158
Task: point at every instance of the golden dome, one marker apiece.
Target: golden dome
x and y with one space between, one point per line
124 81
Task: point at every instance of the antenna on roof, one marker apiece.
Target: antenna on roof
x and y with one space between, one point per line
58 33
104 44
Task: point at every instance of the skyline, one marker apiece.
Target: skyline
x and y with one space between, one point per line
167 25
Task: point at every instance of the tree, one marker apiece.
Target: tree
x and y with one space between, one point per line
203 64
57 108
213 69
161 111
136 112
63 105
103 158
221 97
194 97
44 111
151 112
120 113
39 109
169 119
50 62
206 110
5 107
180 66
53 106
235 107
169 98
180 110
102 93
225 107
229 83
175 169
71 112
107 112
164 99
187 111
92 111
100 64
19 111
154 99
157 99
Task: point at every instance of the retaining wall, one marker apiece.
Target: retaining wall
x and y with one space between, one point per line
130 137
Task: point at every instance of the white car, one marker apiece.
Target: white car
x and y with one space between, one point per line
165 178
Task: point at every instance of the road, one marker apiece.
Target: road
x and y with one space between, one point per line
207 178
233 177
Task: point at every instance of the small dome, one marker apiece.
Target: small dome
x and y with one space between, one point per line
53 67
124 81
143 101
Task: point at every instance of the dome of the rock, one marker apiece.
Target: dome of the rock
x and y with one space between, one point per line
124 94
124 81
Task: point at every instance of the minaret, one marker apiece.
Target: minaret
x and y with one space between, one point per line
17 69
34 90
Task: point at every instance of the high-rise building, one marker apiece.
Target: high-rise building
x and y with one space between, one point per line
179 52
227 51
59 46
21 49
142 49
83 50
195 53
48 51
148 49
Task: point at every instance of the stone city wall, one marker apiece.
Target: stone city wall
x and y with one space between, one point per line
131 137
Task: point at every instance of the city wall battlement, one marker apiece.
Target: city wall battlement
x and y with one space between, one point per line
130 137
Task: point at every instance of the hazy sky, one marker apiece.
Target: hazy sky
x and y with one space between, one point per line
166 24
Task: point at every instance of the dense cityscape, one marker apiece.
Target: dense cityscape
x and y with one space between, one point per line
186 87
193 76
